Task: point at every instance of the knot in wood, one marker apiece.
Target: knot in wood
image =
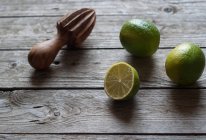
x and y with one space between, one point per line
170 10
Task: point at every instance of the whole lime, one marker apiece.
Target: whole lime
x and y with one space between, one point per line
185 63
140 38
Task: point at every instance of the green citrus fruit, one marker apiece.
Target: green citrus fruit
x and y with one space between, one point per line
140 38
185 64
121 81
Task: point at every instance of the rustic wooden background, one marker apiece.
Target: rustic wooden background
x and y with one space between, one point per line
68 101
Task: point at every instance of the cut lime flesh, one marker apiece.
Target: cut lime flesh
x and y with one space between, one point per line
121 81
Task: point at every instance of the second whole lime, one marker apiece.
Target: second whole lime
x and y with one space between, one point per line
140 38
185 63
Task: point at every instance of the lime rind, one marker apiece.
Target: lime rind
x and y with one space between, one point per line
140 38
185 63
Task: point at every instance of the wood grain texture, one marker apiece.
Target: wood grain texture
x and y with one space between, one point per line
83 69
106 7
91 111
18 34
71 103
95 137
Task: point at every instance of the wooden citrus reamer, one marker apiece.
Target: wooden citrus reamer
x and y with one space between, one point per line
72 29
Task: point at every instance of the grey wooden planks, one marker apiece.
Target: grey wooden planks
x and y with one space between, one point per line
18 34
116 7
83 111
91 111
82 69
96 137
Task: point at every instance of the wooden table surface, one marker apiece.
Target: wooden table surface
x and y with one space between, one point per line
68 101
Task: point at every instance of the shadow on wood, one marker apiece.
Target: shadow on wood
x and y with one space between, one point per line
40 77
144 66
66 61
185 101
72 60
123 110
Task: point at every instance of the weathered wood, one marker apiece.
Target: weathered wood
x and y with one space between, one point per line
95 137
105 34
82 69
88 114
106 7
91 111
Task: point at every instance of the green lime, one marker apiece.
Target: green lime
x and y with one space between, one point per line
185 63
121 81
140 38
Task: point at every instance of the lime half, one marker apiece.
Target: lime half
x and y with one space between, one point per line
121 81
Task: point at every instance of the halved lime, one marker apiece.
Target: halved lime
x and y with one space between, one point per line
121 81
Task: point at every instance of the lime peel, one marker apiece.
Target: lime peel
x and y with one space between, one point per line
140 38
185 63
